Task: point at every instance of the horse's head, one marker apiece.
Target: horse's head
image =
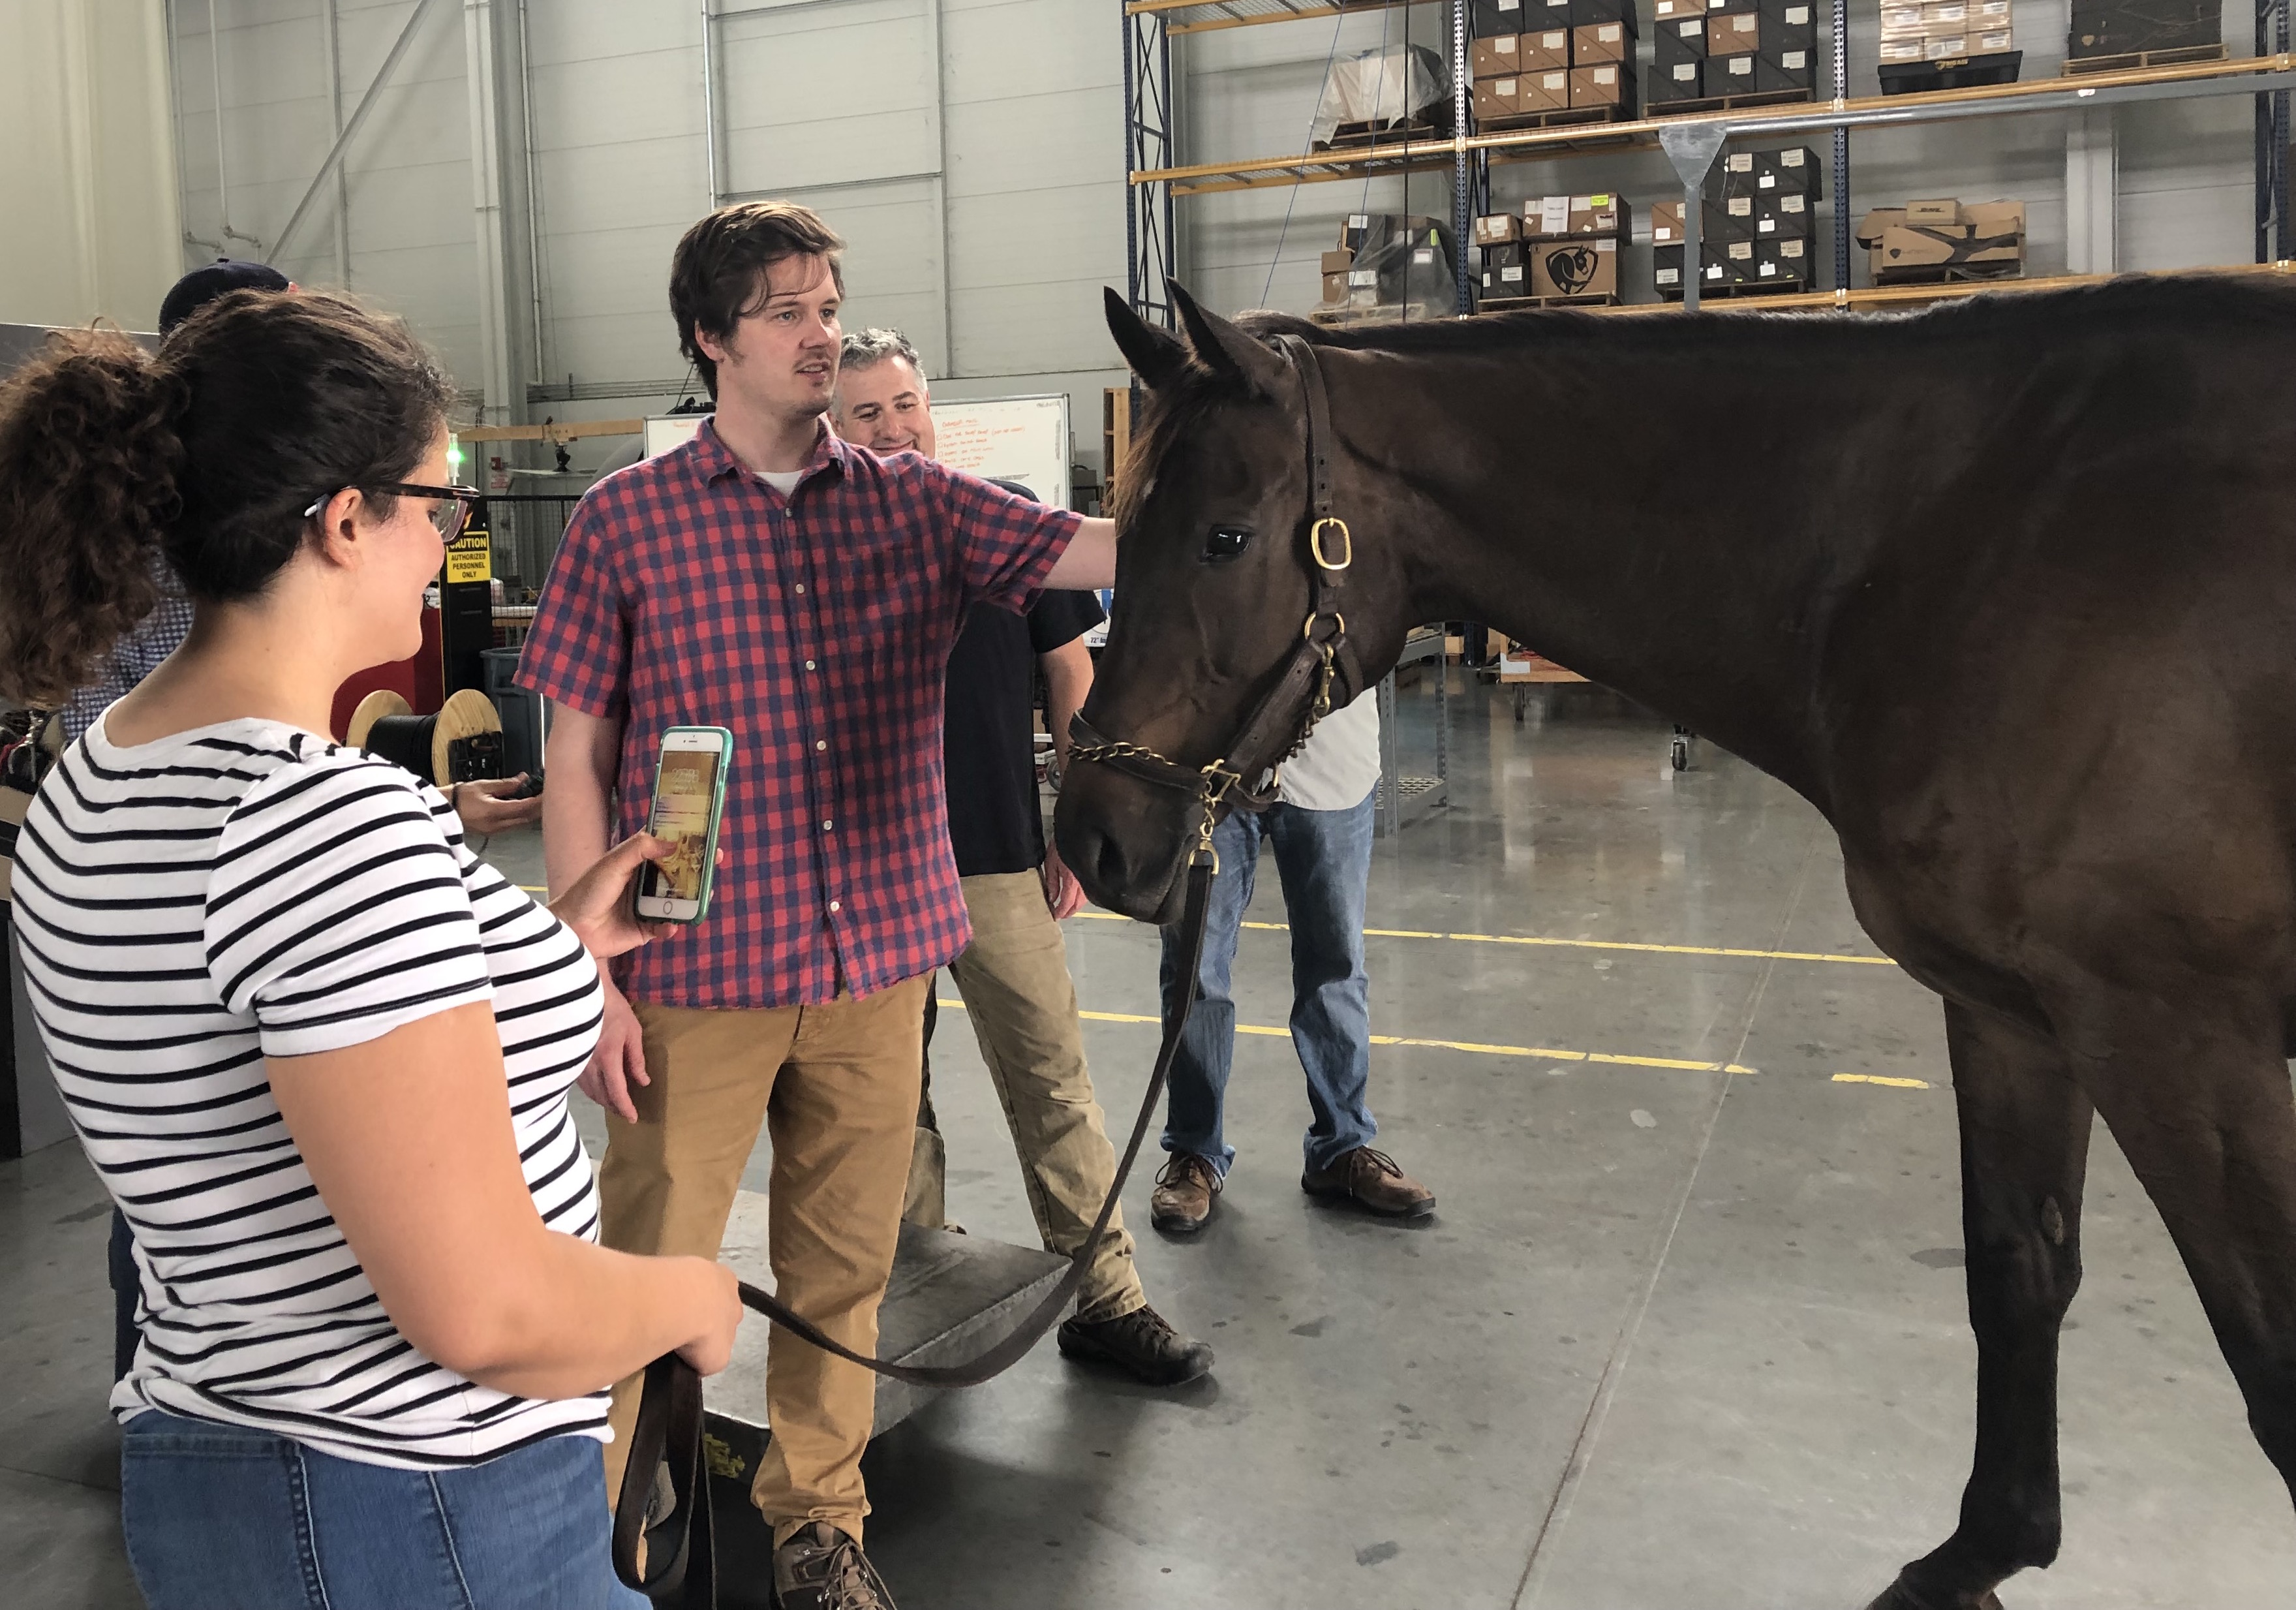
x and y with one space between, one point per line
1230 598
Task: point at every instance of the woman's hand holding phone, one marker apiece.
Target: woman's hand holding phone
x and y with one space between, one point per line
597 907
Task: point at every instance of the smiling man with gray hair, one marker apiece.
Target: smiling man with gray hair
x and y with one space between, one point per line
1014 975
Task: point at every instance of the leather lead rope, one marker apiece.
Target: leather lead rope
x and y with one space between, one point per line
668 1435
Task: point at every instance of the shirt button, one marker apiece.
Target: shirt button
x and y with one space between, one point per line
808 665
834 905
801 586
820 744
826 826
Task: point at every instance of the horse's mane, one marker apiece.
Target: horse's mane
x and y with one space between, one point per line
2194 300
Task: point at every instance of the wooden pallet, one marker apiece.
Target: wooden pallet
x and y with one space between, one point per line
1397 131
1378 313
1950 274
2075 67
1748 293
1572 116
1512 304
1706 105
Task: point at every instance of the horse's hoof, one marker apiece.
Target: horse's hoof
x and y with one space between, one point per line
1900 1597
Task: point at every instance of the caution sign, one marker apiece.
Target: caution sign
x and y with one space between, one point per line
471 558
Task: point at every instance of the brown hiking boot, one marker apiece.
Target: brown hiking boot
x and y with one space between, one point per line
1372 1180
1141 1343
821 1568
1184 1196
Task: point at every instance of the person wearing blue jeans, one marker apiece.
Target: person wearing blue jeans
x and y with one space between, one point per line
1320 829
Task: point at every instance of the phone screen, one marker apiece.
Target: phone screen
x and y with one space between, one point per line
683 795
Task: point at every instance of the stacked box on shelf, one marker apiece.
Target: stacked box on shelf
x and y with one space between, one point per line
1538 56
1709 49
1924 243
2192 29
1759 234
1938 30
1389 259
1557 246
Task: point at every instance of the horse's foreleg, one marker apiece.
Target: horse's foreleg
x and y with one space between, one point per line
2024 1152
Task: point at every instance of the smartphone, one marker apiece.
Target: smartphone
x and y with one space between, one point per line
688 798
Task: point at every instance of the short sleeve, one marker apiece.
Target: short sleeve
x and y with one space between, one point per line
1060 618
1007 544
335 910
577 651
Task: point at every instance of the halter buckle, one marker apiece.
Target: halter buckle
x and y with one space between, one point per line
1346 543
1307 627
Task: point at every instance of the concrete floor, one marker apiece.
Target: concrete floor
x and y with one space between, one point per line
1678 1339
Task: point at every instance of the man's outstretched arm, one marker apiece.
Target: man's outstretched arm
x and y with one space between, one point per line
1089 562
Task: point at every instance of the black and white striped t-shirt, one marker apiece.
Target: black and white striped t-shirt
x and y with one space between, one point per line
189 907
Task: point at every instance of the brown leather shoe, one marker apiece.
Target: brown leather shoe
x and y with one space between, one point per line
1371 1179
1184 1196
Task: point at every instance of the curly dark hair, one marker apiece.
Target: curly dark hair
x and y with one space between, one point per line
118 466
717 273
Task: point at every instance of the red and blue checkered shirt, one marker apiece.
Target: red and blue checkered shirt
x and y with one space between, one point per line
817 626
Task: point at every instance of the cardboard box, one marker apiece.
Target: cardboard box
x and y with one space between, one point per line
1497 228
1683 39
1784 70
1487 17
1922 213
1338 260
1495 58
1902 20
1734 35
1335 288
1600 42
1611 84
1945 47
1945 16
1990 219
1548 15
1545 51
1914 49
2112 27
1989 13
1497 98
1788 22
1937 246
1737 217
1585 13
1547 91
1505 253
1730 75
1545 217
1676 81
1665 11
1785 259
1599 215
1354 229
1795 167
1986 42
1506 279
1785 212
1667 225
1575 268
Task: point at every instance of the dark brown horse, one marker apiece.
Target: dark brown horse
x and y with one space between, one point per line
2007 590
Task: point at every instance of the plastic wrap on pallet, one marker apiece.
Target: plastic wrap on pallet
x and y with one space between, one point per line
1413 267
1380 86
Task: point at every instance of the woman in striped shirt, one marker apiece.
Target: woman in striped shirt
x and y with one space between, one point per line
317 1051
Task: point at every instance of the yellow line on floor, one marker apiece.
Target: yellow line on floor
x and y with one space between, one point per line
1537 1053
1570 944
1877 1079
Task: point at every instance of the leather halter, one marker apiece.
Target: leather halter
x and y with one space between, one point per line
1275 728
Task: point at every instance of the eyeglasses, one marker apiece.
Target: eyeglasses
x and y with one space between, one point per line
447 515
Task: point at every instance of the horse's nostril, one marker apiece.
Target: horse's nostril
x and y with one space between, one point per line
1108 861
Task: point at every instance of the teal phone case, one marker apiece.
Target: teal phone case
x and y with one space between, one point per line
716 814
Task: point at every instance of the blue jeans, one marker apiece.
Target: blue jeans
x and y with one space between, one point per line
1322 858
219 1517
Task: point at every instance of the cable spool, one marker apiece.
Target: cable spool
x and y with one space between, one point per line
459 744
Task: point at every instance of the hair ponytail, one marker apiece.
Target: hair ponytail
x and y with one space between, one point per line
90 462
121 473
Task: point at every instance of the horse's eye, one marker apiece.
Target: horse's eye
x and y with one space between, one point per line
1224 543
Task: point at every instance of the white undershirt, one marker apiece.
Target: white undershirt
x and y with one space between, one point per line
783 481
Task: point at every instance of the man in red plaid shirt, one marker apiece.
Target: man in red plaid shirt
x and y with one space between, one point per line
771 578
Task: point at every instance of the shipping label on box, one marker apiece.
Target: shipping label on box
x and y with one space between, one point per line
1665 9
1683 40
1729 74
1598 42
1575 269
1508 279
1546 215
1902 21
1678 81
1793 60
1945 16
1785 259
1492 230
1550 50
1798 16
1734 34
1945 47
1495 58
1989 40
1905 50
1989 14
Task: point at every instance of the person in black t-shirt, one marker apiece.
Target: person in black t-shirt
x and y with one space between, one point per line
1015 975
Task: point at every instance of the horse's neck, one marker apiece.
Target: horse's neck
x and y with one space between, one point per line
1653 531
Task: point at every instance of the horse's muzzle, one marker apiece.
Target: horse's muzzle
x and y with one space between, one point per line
1127 843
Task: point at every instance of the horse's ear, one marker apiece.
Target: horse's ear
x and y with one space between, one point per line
1156 355
1225 350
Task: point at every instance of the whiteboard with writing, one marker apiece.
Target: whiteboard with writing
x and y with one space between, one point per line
664 432
1022 438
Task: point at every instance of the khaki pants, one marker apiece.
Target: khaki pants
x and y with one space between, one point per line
1014 977
837 1086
